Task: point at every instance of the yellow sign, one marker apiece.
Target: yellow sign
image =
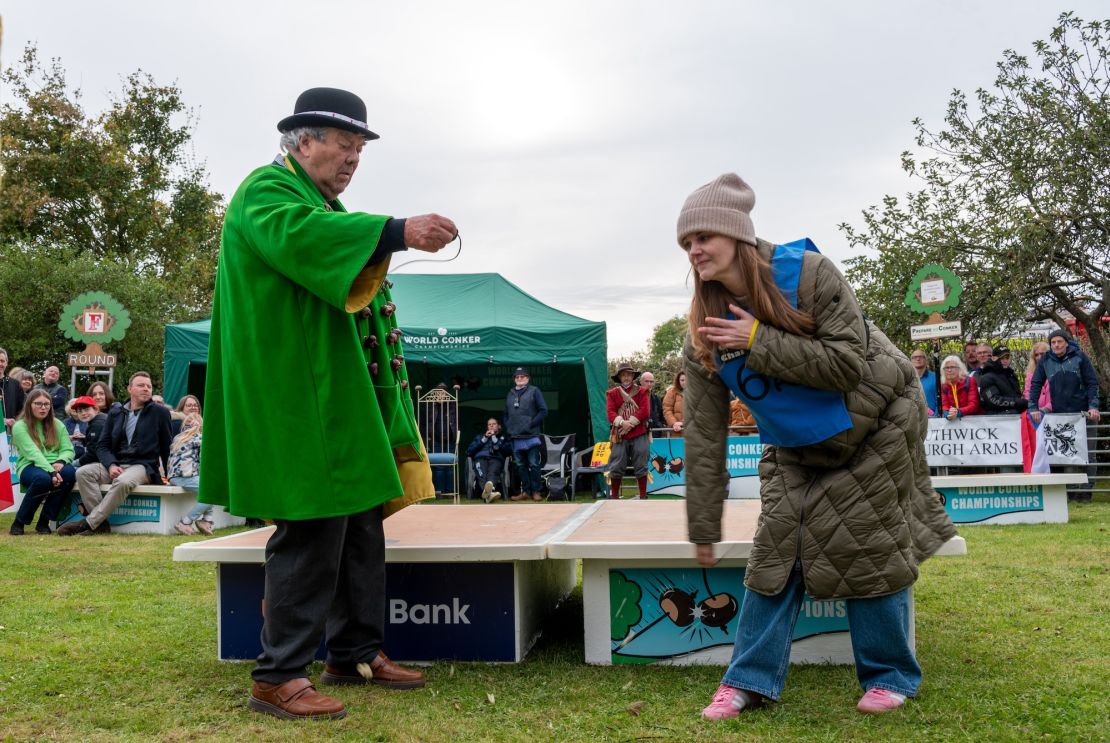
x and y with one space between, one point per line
602 450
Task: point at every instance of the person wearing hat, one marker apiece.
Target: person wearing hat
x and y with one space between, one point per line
1073 388
628 407
847 510
302 304
525 410
1000 391
84 425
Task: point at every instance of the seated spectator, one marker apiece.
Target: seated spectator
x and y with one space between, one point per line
184 472
27 382
12 395
1044 403
983 357
43 467
959 395
673 402
135 443
186 405
82 410
655 421
739 416
58 393
927 378
102 393
489 450
999 389
88 413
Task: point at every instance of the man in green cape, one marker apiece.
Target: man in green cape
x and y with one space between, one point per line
302 308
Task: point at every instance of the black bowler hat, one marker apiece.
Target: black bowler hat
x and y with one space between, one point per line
328 107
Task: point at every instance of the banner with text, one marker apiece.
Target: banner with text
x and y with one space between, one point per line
668 461
979 440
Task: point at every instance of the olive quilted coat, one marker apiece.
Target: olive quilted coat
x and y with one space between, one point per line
858 509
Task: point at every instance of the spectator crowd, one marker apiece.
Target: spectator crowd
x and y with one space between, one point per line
92 440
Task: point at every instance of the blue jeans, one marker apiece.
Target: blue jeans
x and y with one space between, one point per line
879 628
530 481
37 486
192 484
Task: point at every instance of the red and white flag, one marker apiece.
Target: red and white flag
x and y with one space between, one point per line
7 495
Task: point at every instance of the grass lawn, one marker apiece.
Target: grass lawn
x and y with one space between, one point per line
107 639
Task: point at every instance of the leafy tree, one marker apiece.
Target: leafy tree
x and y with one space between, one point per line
114 198
1016 199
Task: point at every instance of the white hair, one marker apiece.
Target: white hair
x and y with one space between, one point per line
291 139
959 363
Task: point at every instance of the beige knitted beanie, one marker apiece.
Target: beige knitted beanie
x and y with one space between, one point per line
720 207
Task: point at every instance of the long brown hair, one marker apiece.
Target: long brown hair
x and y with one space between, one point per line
764 298
44 433
109 398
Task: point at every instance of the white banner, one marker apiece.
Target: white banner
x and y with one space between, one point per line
977 440
1062 439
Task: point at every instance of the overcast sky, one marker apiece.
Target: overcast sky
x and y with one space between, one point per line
563 137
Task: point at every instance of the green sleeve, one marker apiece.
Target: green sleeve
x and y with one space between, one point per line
25 445
324 251
66 452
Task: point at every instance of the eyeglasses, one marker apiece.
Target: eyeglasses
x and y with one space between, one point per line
43 404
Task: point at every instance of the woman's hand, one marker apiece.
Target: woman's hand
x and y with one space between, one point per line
677 426
705 555
730 334
58 466
951 414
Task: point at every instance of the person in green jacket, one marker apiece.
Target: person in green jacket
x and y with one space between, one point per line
302 305
43 465
847 507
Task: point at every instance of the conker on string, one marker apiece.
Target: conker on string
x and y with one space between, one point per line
388 309
678 606
719 610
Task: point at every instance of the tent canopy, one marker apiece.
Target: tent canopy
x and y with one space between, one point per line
470 329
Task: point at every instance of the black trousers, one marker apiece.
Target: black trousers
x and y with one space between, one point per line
323 577
488 468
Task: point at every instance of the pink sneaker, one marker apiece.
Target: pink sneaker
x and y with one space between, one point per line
877 701
729 702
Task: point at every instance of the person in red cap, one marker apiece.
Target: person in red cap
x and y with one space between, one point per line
84 425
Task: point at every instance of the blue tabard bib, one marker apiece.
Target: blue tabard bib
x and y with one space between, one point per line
787 414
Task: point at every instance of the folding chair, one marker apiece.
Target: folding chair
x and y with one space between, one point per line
557 460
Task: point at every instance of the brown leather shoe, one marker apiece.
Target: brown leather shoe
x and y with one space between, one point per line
73 528
296 699
537 496
104 528
383 672
519 497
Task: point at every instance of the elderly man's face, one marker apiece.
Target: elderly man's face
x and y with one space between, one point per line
626 378
647 380
331 164
50 376
984 354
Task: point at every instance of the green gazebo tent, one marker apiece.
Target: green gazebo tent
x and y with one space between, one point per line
472 330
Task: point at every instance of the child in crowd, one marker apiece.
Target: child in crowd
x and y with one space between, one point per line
44 467
185 473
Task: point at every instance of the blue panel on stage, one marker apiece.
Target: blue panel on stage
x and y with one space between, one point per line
463 611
